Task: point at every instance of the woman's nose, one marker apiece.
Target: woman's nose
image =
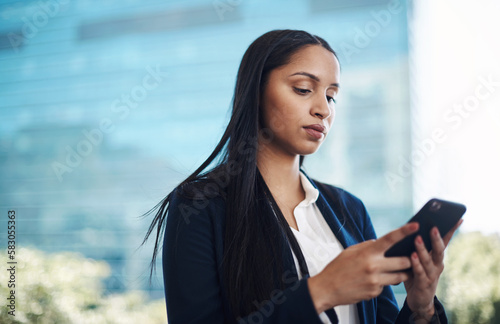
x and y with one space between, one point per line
321 108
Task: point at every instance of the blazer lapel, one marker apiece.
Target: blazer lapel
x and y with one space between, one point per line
339 224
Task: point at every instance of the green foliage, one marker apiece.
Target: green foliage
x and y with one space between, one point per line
67 288
470 284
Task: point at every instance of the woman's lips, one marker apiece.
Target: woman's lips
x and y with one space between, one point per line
316 130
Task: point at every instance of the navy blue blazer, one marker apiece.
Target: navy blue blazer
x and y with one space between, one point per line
192 259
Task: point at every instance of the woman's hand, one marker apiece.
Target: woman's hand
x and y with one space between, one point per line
361 271
426 269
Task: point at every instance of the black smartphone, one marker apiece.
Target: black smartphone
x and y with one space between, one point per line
436 212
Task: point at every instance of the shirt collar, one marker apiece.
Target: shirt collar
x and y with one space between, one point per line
312 193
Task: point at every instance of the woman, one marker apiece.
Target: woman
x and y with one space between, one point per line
254 240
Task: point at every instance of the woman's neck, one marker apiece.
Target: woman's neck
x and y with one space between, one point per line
281 173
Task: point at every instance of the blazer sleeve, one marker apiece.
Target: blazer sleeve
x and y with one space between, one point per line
193 291
387 307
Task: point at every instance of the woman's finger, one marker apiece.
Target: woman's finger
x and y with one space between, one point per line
419 273
423 256
395 264
391 238
438 246
394 278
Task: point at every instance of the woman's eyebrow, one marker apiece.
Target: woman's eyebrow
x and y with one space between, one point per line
312 76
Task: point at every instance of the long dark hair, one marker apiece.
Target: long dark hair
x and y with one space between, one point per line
253 229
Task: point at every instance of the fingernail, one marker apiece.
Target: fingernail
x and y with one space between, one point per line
419 240
435 232
414 255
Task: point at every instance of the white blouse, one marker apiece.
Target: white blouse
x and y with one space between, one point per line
318 244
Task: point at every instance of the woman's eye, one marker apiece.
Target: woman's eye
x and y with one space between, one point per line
302 91
331 99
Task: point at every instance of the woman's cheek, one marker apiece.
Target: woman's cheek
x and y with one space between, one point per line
277 120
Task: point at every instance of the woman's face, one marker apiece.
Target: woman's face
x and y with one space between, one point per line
298 102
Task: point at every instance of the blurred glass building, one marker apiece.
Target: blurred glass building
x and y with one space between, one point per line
106 105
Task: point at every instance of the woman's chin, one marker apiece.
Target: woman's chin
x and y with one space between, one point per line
309 150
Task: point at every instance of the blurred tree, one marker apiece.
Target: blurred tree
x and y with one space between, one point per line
67 288
470 283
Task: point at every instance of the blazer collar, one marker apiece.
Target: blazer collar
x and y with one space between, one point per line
336 220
